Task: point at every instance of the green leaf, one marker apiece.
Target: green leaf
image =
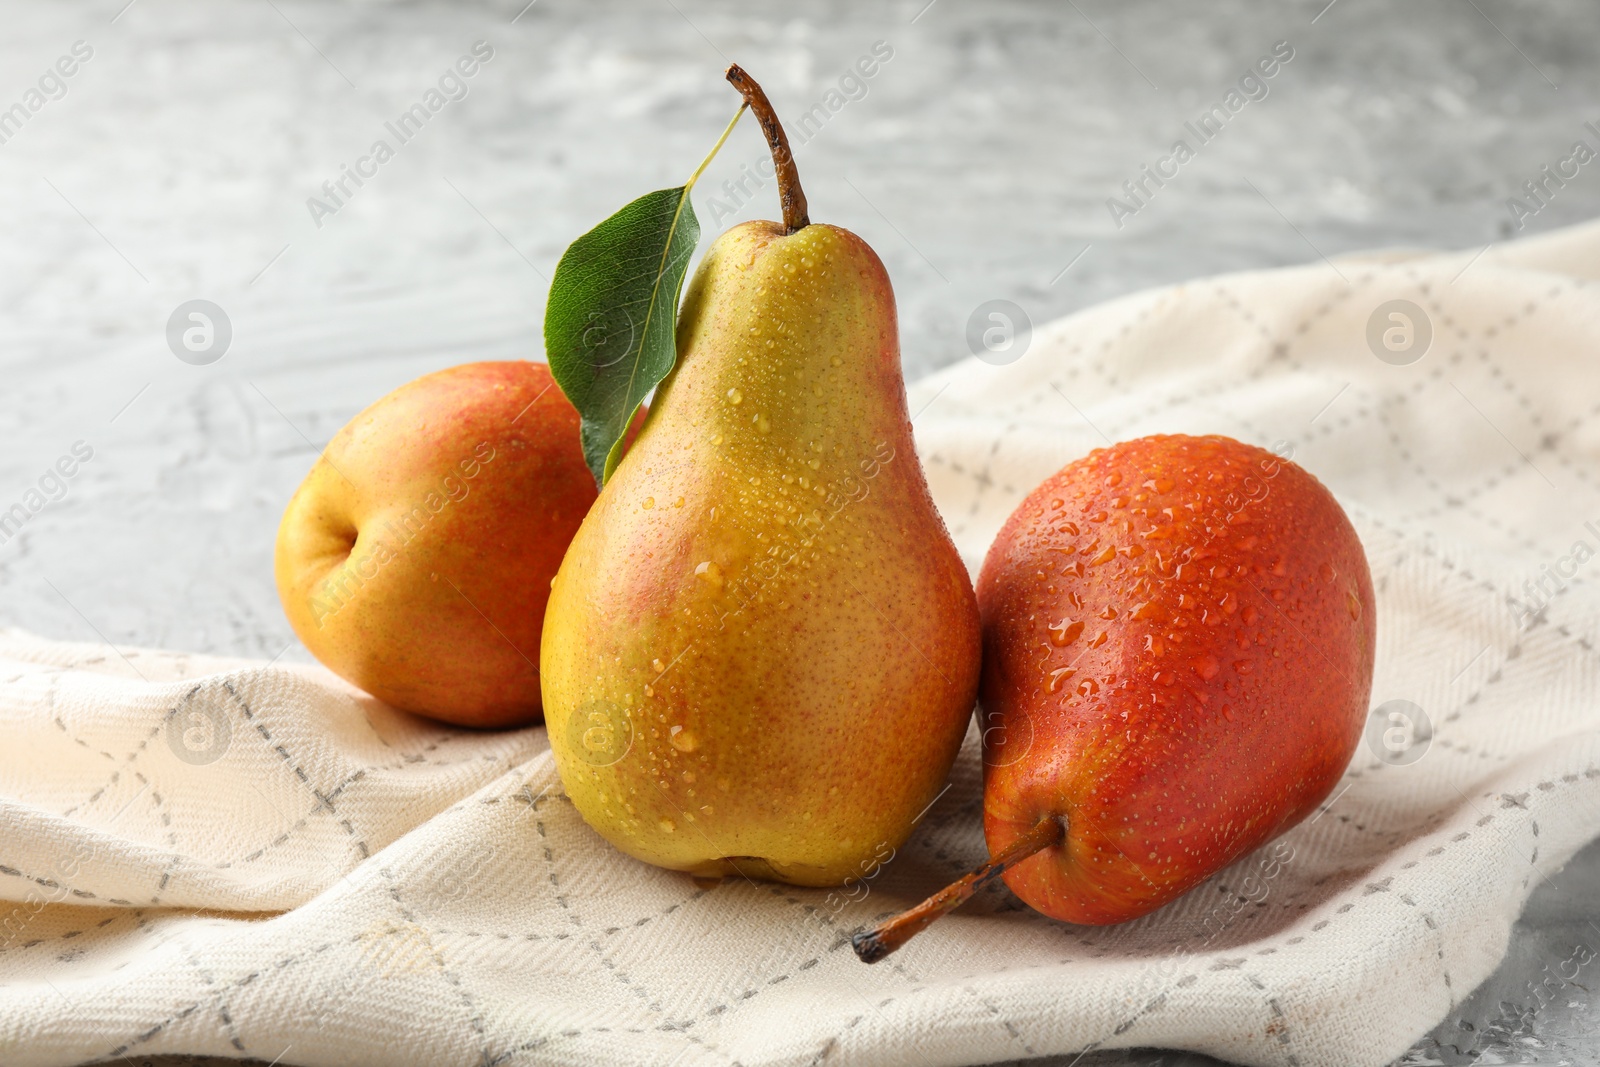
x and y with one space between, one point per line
610 321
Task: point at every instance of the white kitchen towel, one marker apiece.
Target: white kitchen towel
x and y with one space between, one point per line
246 859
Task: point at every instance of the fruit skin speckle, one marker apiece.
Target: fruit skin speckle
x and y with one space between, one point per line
1231 692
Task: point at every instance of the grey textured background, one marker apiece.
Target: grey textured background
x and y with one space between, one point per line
178 164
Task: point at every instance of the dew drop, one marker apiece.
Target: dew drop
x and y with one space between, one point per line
735 397
763 425
648 503
1057 677
666 824
1207 668
657 666
709 572
683 740
1065 632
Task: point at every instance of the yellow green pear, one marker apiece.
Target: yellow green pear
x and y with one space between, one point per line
761 649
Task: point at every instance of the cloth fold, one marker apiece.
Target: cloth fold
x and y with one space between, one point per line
237 858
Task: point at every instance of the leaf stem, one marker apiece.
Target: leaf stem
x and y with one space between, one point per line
874 945
706 162
790 195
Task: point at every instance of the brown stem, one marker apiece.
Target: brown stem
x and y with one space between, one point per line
790 195
874 945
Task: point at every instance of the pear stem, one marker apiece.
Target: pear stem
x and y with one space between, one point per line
874 945
790 195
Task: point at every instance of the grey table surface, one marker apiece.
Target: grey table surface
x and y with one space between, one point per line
177 162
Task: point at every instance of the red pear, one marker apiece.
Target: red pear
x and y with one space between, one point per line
416 558
1178 647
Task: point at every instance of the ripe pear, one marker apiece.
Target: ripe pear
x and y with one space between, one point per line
415 559
762 649
1178 651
